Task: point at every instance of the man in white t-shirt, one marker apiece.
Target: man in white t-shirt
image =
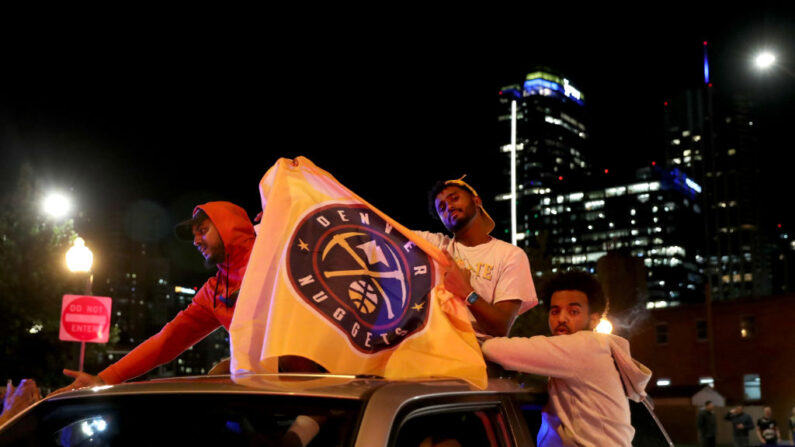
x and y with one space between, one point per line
493 276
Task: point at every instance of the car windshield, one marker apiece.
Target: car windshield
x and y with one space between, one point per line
181 419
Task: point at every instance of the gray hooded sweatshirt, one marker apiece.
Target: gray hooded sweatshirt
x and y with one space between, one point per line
591 375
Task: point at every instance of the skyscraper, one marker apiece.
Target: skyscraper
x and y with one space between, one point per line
713 140
551 139
569 217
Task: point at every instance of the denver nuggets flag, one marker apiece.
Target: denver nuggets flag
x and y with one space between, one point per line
334 280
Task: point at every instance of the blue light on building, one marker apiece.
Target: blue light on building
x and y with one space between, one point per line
706 65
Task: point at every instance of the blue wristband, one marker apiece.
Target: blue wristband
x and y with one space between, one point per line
471 298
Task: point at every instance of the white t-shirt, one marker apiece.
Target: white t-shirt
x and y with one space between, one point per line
499 271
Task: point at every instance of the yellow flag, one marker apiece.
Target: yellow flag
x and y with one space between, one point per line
333 279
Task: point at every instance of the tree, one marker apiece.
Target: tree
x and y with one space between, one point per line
33 278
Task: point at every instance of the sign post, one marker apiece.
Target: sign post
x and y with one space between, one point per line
85 318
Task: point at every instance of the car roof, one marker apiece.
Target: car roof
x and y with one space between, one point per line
309 385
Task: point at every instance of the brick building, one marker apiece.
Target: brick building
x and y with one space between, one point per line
743 350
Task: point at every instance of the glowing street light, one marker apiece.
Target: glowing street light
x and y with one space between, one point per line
604 326
79 258
57 205
765 60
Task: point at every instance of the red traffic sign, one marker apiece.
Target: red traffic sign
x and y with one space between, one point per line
85 318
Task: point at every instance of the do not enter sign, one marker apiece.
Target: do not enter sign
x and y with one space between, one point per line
85 318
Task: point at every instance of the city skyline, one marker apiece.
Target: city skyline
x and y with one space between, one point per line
148 125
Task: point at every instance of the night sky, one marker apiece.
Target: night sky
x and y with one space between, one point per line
179 114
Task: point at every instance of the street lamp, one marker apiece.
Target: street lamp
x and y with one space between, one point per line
79 259
57 205
765 60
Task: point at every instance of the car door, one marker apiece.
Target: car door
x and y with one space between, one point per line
459 422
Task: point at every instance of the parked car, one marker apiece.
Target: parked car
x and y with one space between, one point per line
259 409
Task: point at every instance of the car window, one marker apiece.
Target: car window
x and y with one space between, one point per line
449 427
181 419
648 432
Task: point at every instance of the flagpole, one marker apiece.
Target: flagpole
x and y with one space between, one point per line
513 172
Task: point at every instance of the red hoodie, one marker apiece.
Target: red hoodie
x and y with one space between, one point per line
209 308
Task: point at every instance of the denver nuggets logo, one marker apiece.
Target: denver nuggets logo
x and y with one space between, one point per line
362 275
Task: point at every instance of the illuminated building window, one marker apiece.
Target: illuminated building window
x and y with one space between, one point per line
677 161
632 212
701 330
747 326
696 138
676 142
686 152
594 205
596 195
748 277
662 382
575 197
685 133
709 381
661 333
638 188
752 386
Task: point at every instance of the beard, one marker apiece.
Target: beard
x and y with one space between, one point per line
460 224
215 259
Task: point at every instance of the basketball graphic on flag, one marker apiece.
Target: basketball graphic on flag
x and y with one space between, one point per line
363 296
367 280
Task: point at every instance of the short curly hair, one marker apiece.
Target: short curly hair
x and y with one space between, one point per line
576 280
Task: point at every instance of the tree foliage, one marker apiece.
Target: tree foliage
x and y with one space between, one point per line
33 278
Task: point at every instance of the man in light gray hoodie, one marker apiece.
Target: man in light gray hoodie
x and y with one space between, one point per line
590 374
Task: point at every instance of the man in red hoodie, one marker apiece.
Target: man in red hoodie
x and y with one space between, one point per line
224 235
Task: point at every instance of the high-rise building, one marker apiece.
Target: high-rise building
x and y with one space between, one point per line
713 141
568 217
648 218
551 130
